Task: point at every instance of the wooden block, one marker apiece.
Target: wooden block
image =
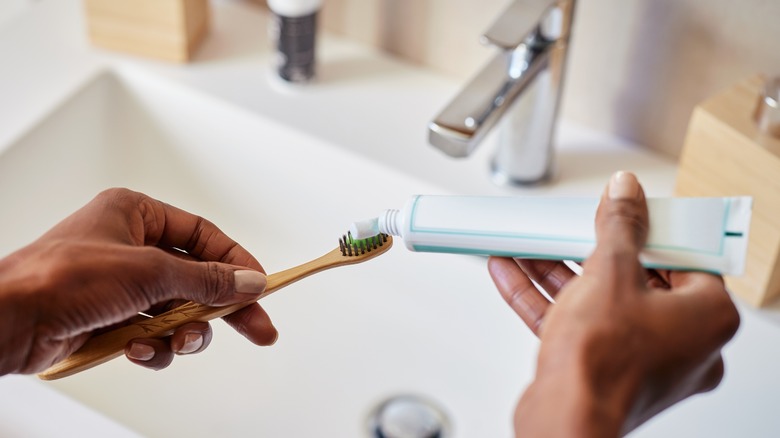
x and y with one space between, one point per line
725 154
165 29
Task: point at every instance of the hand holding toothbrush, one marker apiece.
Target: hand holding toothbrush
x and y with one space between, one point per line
121 254
619 343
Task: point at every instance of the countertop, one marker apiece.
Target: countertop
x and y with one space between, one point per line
378 108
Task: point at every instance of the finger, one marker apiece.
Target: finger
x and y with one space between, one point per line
191 338
254 324
697 303
657 279
166 225
621 228
150 353
695 282
706 299
161 277
549 274
713 376
518 291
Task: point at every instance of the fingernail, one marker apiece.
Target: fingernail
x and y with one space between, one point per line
192 343
249 282
140 351
623 185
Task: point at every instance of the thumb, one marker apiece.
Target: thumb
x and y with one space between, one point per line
622 221
212 283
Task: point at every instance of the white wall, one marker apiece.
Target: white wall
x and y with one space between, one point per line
11 8
637 67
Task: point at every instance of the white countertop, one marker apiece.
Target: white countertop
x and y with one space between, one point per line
378 108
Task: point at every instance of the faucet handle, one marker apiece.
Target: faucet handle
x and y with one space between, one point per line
521 19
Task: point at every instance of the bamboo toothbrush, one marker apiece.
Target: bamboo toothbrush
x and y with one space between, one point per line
109 345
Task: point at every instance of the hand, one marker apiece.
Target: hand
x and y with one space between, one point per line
620 343
121 254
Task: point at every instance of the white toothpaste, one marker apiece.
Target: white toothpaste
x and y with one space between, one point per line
707 234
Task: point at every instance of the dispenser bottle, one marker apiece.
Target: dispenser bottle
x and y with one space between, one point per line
293 32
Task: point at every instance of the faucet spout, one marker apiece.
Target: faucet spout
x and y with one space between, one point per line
465 121
519 90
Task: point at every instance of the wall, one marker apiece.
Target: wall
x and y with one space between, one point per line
637 67
10 9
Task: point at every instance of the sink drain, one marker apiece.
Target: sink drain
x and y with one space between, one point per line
408 416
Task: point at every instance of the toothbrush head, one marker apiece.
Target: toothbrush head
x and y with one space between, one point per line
375 245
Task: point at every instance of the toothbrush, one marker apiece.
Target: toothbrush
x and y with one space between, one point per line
111 344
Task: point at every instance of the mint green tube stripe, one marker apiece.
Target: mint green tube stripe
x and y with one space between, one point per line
520 255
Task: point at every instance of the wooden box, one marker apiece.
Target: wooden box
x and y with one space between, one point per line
725 154
164 29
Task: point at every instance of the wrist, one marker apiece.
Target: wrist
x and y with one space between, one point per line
558 406
581 393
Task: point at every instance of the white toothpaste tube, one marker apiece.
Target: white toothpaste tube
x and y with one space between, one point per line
706 234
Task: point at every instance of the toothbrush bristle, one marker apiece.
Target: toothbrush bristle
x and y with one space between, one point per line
350 246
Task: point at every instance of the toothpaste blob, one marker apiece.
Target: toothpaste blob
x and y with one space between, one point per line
365 228
707 234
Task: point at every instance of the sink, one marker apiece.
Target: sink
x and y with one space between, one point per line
404 323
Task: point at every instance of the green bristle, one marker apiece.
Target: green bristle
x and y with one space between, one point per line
362 243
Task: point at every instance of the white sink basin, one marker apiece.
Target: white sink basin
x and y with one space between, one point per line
404 323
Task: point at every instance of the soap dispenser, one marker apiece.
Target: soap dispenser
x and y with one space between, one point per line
293 32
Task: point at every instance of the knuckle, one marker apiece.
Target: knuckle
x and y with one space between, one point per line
153 217
517 296
729 319
629 215
152 266
615 253
218 283
115 194
241 322
628 208
523 300
196 244
625 268
713 376
721 311
204 237
60 265
626 214
549 274
120 198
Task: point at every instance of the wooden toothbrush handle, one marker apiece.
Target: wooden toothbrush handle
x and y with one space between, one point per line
111 344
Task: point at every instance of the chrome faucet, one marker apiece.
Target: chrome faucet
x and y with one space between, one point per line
519 89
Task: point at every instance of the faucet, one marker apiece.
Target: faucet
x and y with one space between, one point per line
519 89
